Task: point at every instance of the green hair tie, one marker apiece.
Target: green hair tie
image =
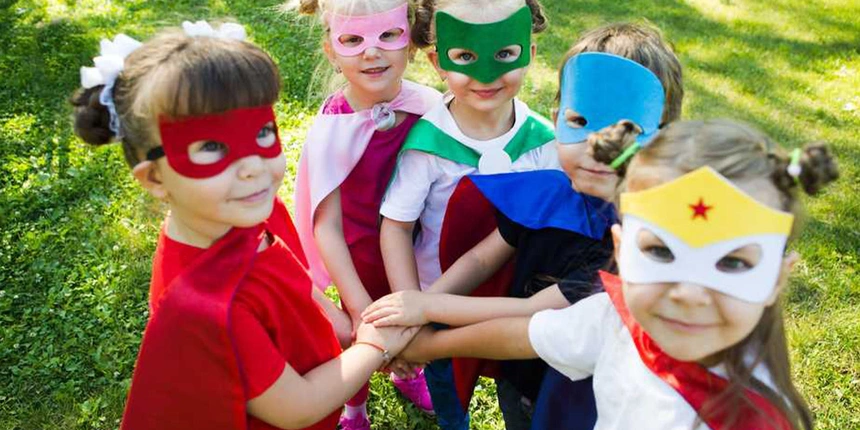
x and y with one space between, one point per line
626 155
794 169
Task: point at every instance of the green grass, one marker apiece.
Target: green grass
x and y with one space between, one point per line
76 234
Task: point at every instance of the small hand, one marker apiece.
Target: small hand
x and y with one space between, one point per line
392 339
404 308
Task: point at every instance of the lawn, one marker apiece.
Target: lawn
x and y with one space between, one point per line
76 233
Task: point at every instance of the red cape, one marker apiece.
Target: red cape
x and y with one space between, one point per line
695 383
468 220
187 374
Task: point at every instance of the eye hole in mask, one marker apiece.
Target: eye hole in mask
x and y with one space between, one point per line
653 247
267 135
462 57
509 54
574 120
740 260
211 151
391 35
350 40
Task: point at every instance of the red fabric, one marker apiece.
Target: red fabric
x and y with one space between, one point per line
695 383
238 129
221 332
361 196
469 219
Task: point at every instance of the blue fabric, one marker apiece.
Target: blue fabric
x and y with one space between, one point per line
545 198
604 89
564 404
440 381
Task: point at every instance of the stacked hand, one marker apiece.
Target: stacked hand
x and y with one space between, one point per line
404 308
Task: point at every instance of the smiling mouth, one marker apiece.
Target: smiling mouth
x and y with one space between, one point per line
598 172
685 326
375 70
486 94
254 198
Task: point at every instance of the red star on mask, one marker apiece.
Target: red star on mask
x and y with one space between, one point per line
701 209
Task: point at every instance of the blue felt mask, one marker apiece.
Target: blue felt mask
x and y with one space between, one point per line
604 89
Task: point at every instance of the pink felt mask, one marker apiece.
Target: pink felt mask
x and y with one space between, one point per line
369 31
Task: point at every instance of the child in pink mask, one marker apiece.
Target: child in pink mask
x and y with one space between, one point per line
348 158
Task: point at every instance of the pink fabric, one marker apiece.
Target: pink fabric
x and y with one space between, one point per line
336 144
361 196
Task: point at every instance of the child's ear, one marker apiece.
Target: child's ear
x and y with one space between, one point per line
534 50
788 263
329 52
149 177
616 240
433 56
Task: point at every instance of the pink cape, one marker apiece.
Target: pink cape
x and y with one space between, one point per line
334 145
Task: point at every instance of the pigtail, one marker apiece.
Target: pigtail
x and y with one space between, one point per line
92 119
539 21
422 30
606 145
304 7
813 170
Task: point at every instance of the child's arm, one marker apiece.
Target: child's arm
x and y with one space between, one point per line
339 319
475 266
297 401
395 240
410 308
500 339
328 233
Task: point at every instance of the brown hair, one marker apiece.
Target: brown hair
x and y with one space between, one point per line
740 153
643 44
424 35
176 75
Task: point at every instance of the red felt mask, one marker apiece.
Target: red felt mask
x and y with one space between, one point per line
228 137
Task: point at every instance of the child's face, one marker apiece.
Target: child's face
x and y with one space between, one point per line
688 321
375 71
475 94
587 175
241 196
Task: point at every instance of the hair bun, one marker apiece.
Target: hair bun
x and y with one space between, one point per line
817 168
609 143
92 119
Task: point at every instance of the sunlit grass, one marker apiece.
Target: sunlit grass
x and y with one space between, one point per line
77 234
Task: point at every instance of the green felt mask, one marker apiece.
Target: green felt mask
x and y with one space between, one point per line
487 42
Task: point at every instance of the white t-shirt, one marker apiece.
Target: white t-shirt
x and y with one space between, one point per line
589 338
424 182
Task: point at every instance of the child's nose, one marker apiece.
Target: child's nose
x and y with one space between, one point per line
251 167
372 52
691 294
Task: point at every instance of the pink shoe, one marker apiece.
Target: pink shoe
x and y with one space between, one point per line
358 423
416 391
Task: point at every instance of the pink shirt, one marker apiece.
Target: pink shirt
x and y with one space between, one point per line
361 197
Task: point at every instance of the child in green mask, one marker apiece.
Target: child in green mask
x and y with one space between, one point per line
556 262
483 49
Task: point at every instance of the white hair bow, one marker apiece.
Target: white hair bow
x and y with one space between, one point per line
227 30
108 66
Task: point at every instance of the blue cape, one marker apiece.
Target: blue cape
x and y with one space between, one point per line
545 198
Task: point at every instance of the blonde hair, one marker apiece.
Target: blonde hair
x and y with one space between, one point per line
176 75
645 45
477 11
741 154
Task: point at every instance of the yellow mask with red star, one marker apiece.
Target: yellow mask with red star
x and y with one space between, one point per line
702 218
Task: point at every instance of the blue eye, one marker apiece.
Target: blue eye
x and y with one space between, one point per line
267 135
